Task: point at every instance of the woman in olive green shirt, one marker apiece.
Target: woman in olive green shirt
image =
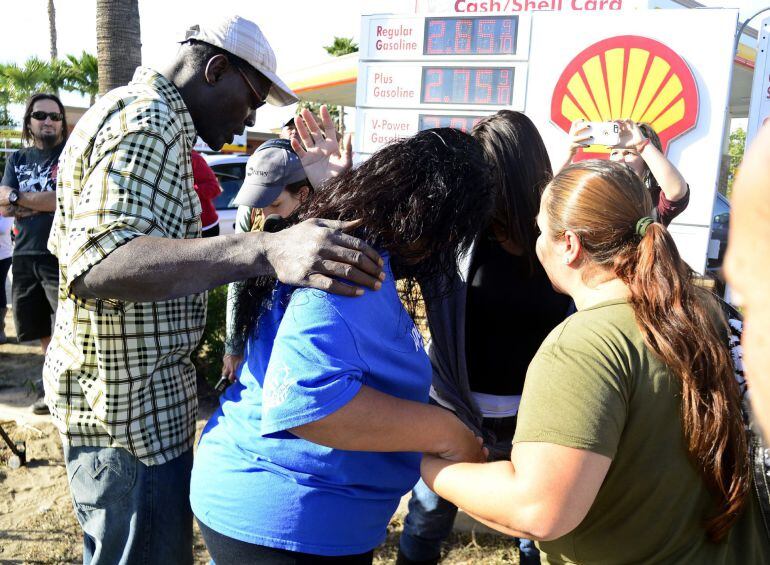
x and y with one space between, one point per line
630 446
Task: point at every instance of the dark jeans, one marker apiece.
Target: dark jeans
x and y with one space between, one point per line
430 518
225 550
131 513
35 295
5 264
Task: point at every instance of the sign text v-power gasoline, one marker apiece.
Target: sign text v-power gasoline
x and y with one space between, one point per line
671 68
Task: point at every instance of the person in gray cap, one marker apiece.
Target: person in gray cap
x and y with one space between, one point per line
132 304
275 184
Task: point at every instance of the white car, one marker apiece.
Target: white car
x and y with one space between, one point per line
230 170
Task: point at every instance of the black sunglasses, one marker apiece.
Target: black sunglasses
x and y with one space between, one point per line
41 116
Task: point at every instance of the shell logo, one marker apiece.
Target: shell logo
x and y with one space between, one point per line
622 77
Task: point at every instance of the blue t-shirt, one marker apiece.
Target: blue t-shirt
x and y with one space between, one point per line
255 481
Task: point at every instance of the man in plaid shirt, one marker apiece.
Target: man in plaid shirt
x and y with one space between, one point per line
133 274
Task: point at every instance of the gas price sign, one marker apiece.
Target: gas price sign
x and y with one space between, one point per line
467 85
470 36
493 86
379 127
473 37
421 72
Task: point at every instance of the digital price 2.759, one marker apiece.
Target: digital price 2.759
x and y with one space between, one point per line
467 85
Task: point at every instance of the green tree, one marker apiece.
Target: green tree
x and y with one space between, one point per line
6 122
52 30
341 46
207 358
82 75
315 108
73 74
21 82
735 151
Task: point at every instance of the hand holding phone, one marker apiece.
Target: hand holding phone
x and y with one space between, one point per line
602 133
630 134
579 136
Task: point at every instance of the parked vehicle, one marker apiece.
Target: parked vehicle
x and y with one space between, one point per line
230 170
720 225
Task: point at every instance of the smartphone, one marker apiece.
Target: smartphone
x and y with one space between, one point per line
603 133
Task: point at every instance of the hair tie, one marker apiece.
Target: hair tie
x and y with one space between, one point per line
642 225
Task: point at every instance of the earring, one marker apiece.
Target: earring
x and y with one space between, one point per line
206 75
566 260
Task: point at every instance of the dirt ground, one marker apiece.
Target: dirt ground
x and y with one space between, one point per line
37 522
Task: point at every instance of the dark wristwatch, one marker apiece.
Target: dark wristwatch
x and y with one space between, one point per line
13 197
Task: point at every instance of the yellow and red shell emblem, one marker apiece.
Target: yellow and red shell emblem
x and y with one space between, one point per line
627 76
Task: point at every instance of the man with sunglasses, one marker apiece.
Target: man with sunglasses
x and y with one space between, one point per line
28 193
134 271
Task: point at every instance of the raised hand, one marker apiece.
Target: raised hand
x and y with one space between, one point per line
321 155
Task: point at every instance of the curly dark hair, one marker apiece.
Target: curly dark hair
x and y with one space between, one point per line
423 199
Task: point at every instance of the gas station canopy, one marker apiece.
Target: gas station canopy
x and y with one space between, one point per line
332 82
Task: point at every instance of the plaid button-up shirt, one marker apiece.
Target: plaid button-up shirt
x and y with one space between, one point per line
119 373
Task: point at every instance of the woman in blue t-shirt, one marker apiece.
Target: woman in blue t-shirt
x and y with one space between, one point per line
315 444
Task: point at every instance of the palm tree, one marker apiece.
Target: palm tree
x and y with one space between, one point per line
52 29
82 75
22 82
341 46
118 42
5 98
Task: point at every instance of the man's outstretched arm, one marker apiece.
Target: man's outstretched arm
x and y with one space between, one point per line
314 253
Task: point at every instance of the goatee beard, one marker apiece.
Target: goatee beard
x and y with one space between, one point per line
49 140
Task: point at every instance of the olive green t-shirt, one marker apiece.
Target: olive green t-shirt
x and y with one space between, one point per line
595 385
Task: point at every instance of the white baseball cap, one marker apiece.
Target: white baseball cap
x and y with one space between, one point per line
244 39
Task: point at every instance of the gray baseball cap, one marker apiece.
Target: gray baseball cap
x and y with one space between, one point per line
272 166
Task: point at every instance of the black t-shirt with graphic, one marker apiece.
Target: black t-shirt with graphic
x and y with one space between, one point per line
32 170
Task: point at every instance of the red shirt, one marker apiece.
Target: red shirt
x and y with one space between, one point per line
668 210
207 187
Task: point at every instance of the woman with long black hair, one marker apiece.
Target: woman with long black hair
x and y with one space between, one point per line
485 333
315 444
